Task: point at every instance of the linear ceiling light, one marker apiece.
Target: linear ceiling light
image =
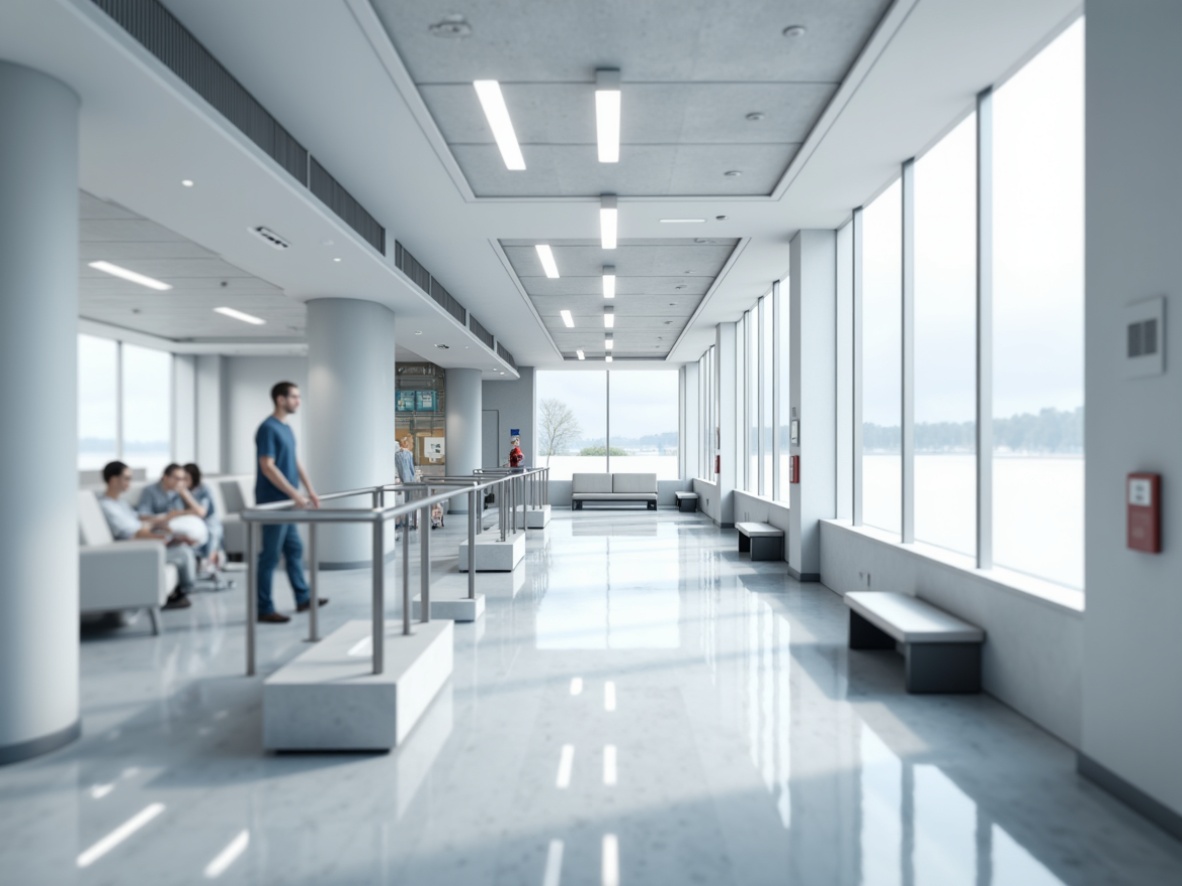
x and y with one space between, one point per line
607 114
609 318
608 358
582 356
238 315
497 114
609 220
609 281
683 221
546 255
609 342
567 318
116 271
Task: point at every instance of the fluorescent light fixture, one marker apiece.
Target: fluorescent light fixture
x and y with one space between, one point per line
116 271
609 220
117 836
609 764
610 863
609 281
565 764
497 114
608 358
609 696
546 256
609 342
683 221
238 315
575 690
567 318
236 847
607 115
609 318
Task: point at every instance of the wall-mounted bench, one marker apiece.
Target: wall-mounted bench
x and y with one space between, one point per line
613 488
942 652
763 540
686 501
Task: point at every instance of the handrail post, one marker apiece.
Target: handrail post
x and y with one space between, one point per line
379 595
473 498
425 563
314 584
503 500
252 597
406 574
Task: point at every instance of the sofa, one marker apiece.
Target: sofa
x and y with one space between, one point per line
119 575
613 488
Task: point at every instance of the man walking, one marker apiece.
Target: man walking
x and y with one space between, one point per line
279 477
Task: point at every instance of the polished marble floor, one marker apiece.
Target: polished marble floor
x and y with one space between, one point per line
638 706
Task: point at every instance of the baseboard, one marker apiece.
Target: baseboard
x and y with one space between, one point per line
24 750
803 576
1133 797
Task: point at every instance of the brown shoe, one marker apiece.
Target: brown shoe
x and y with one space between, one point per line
274 618
304 607
177 600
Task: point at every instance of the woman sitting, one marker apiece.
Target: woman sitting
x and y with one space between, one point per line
199 503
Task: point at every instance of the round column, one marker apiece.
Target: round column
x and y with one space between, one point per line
350 414
464 423
38 400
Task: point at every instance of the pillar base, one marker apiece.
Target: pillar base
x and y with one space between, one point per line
452 604
492 554
26 750
534 518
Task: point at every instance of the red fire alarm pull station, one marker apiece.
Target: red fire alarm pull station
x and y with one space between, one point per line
794 469
1143 500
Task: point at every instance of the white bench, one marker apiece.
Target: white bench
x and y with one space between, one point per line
686 501
613 488
942 652
763 540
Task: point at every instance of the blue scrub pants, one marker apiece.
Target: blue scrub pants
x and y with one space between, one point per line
281 538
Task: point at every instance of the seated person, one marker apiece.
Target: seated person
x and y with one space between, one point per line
169 499
125 524
199 503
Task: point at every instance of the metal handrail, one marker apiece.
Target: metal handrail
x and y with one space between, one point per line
377 515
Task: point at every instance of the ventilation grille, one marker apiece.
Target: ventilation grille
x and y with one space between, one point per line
503 353
340 201
1142 341
410 266
166 38
448 301
480 332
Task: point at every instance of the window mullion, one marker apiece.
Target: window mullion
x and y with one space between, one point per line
985 329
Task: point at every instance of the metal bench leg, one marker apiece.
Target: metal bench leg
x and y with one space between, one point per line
865 635
943 667
766 548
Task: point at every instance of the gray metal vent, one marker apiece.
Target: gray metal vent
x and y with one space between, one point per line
1142 341
480 332
165 37
410 266
340 201
449 302
503 353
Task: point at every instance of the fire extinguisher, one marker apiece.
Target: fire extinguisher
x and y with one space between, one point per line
717 463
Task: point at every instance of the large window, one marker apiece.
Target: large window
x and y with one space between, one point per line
643 411
98 402
783 391
945 341
766 382
574 434
1038 310
572 422
882 313
751 398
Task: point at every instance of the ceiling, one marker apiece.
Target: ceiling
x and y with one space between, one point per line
384 106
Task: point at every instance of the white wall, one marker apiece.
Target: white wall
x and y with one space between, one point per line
514 400
1132 694
211 442
184 408
246 401
1033 655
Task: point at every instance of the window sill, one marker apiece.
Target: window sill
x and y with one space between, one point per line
1055 595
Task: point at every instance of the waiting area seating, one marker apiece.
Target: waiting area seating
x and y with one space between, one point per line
763 540
686 501
613 488
942 652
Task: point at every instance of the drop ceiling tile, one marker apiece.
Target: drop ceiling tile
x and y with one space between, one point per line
543 287
704 260
124 230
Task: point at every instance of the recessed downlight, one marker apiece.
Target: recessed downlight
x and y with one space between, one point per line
239 315
497 114
609 221
580 354
607 114
795 31
546 257
567 318
418 332
123 273
336 259
733 173
443 347
187 182
756 116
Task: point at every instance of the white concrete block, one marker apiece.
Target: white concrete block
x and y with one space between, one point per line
450 601
533 518
328 699
492 554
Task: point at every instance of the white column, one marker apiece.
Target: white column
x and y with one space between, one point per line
813 398
38 399
349 405
726 377
465 406
692 419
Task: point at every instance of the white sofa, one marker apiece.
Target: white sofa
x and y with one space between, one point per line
231 494
118 575
613 488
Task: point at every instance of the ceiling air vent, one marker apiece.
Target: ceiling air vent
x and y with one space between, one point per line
270 237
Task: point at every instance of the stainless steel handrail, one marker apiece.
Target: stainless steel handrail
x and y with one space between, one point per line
377 515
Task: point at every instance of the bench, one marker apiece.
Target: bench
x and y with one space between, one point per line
686 501
942 653
613 488
764 541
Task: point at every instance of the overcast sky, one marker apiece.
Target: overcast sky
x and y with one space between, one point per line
643 402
